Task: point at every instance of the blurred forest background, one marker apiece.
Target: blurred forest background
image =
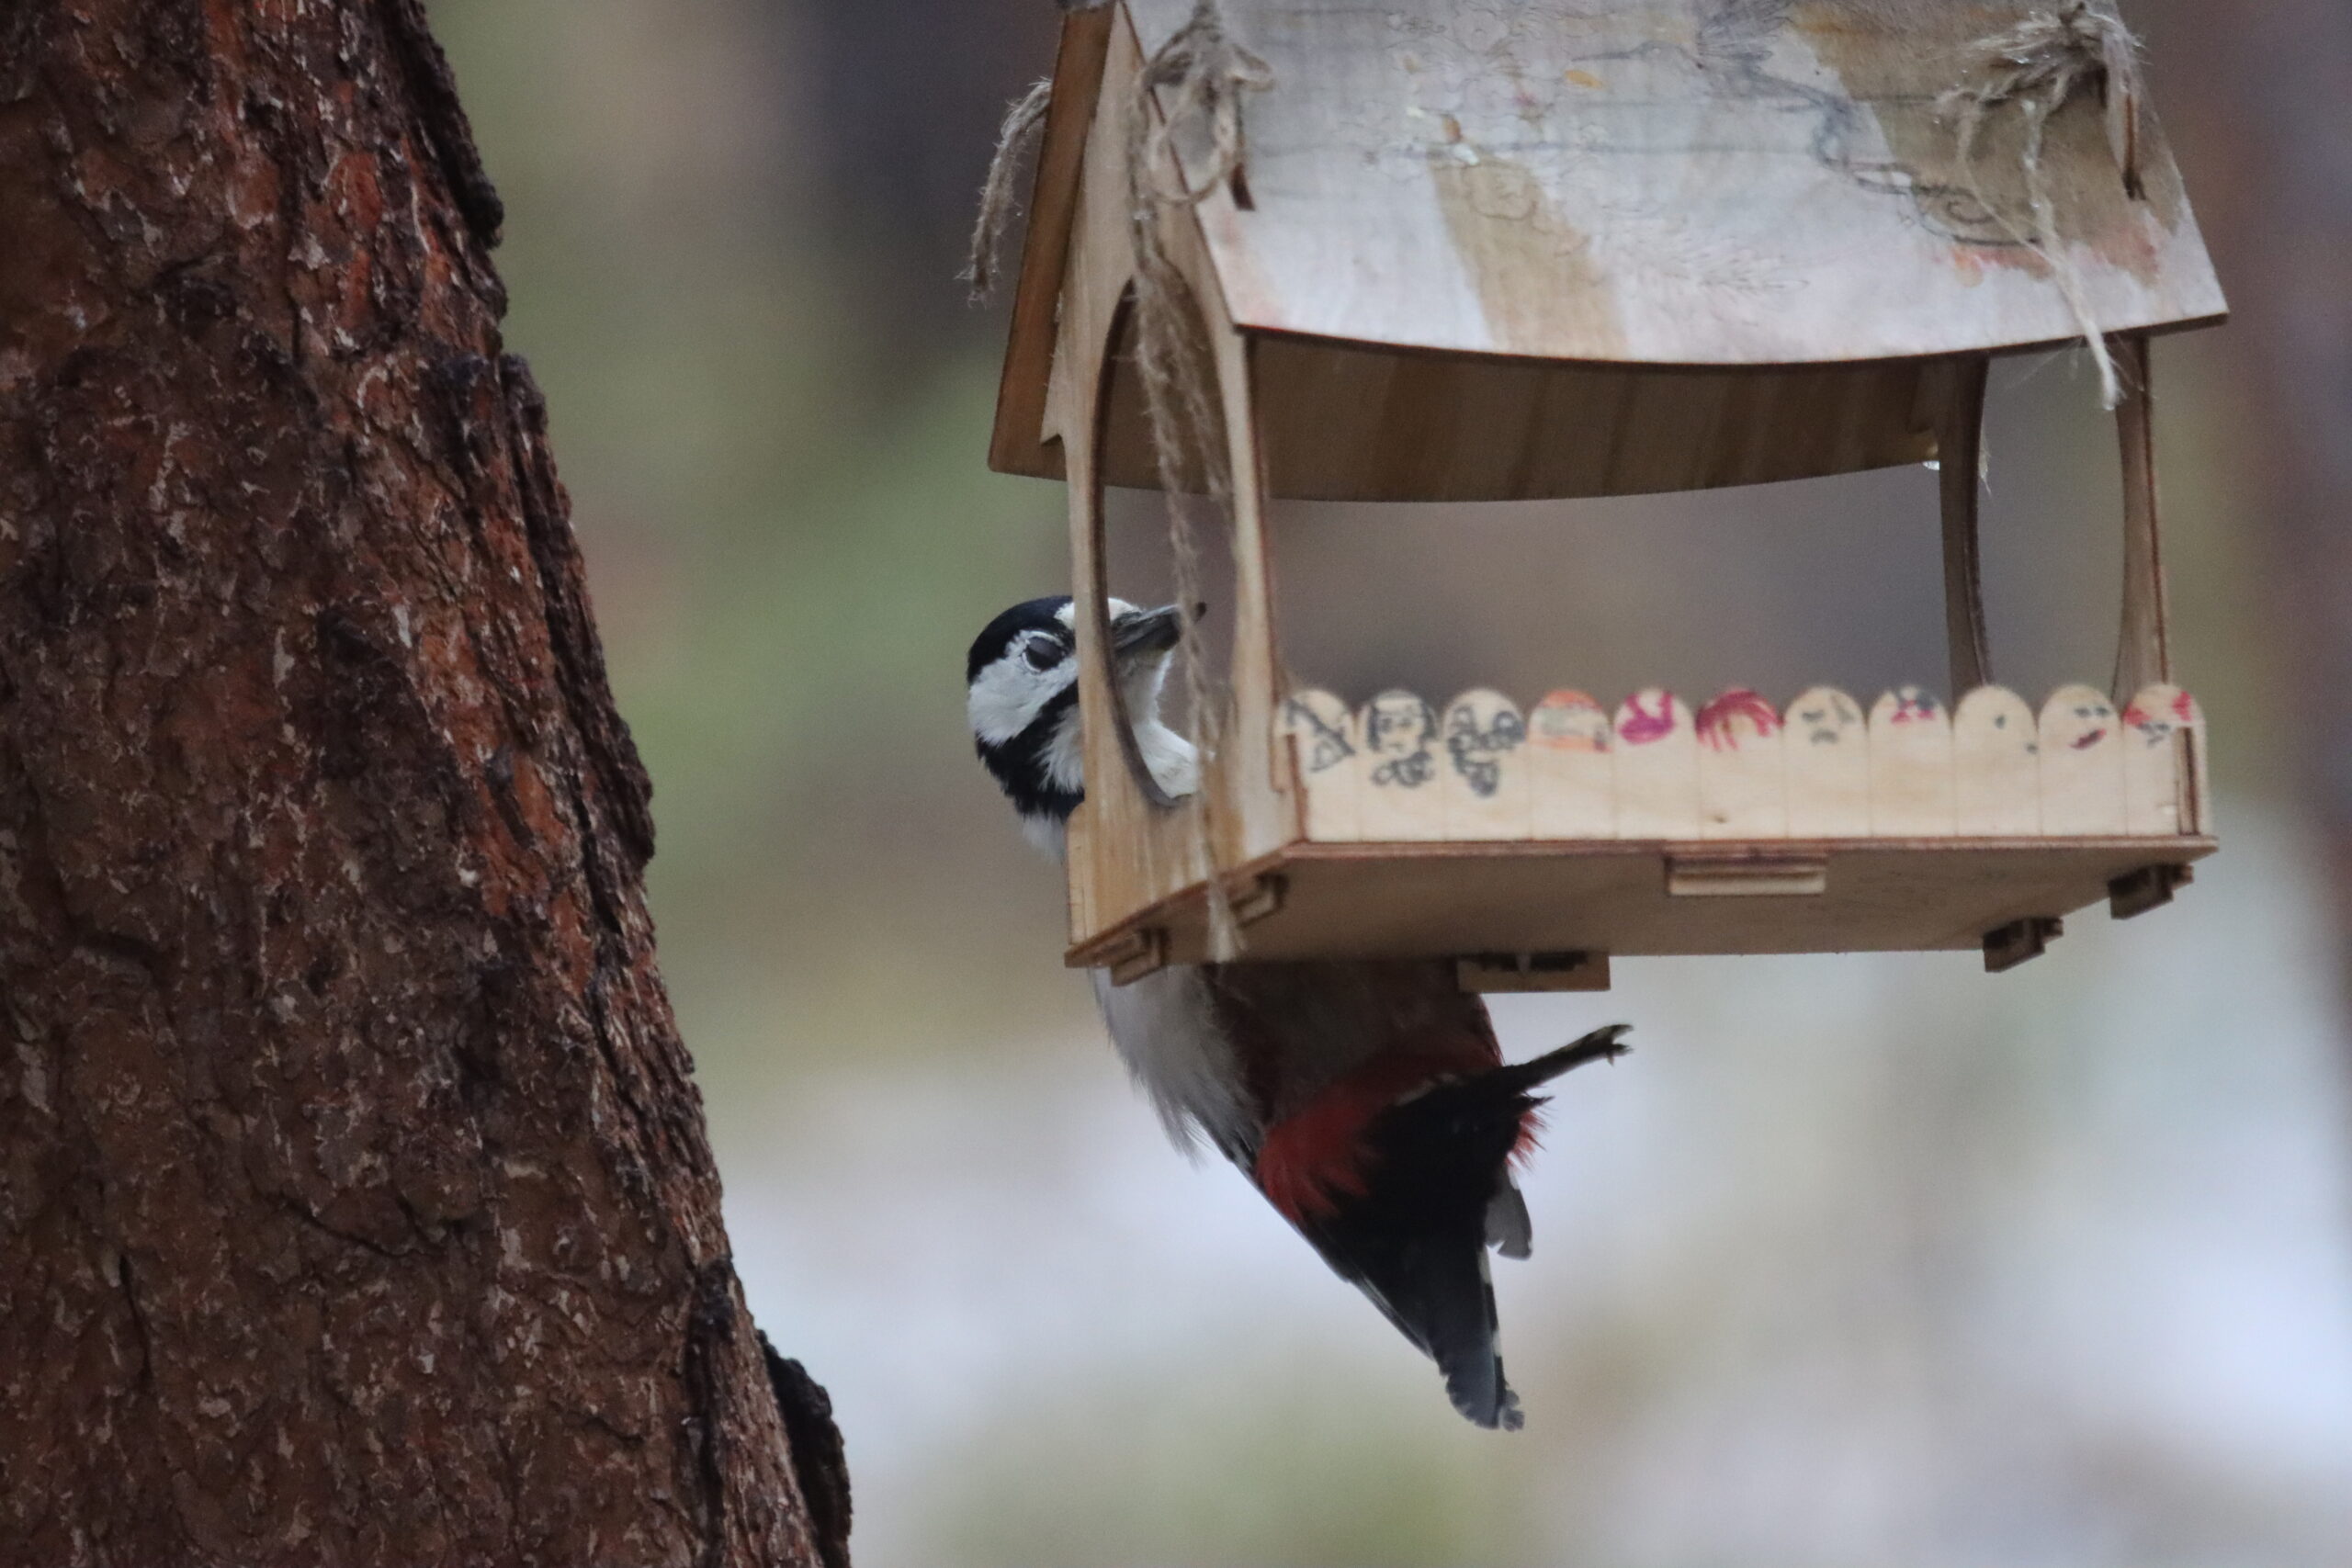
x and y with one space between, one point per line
1857 1262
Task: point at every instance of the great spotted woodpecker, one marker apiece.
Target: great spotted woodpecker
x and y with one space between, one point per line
1368 1101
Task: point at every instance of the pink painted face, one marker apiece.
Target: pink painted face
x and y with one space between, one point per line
2083 725
1569 721
1737 718
1649 716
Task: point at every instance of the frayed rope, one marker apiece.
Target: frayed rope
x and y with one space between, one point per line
1206 74
1023 117
2037 66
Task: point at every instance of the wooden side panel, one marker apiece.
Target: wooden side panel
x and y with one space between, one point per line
1572 773
1124 852
1323 739
1743 786
2160 786
1398 793
1484 780
2082 763
1911 766
1657 767
1130 851
1826 751
1996 765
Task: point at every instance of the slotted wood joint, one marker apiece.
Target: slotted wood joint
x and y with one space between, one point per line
1261 898
2150 888
2020 942
1490 973
1747 876
1139 952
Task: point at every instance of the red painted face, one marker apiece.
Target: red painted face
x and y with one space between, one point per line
1735 718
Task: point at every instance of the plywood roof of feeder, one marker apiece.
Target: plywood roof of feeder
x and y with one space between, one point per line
1640 183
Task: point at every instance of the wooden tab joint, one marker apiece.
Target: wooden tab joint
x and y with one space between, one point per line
2150 888
1747 876
1141 951
1263 897
1490 973
2020 940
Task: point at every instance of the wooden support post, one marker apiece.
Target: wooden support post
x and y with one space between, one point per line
2144 652
1960 464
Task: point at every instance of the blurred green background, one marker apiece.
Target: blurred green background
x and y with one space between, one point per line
1858 1261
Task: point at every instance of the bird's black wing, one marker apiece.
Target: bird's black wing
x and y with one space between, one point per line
1415 1240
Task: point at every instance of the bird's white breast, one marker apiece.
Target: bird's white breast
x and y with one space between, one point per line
1166 1031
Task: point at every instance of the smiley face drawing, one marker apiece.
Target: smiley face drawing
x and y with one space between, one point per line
1399 728
1828 761
1482 729
2083 721
1826 717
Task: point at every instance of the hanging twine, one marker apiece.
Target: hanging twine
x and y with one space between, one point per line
1205 73
1023 117
2036 67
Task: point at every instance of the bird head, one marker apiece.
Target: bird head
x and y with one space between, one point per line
1022 703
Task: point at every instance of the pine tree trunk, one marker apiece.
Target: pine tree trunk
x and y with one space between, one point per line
355 1205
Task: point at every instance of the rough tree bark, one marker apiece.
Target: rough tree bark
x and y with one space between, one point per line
355 1205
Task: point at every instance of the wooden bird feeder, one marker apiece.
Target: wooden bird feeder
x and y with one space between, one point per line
1564 248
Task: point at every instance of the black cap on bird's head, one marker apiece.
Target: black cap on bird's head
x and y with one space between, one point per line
1021 685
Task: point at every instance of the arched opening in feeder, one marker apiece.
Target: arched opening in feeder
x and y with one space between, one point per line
1142 527
1490 304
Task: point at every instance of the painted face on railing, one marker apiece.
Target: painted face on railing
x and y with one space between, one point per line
1569 721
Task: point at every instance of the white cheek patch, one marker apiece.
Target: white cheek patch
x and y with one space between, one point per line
1066 754
1008 696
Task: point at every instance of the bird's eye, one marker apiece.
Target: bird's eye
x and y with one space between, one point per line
1044 652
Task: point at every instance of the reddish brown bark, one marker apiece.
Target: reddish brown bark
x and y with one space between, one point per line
354 1199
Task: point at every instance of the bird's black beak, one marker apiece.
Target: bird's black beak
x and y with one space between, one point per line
1141 632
